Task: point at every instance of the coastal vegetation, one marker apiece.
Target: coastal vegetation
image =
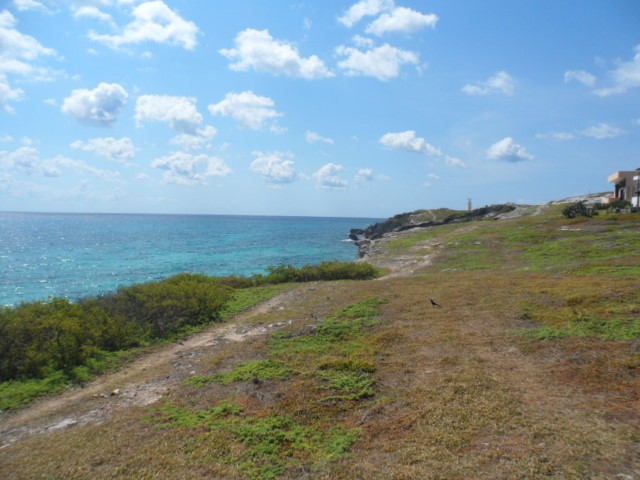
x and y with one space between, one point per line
46 345
529 367
335 362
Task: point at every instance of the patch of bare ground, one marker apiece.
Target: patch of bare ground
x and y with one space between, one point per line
459 394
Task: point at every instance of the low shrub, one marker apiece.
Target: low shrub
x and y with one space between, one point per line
578 209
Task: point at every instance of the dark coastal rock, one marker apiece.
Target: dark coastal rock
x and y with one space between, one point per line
409 221
363 247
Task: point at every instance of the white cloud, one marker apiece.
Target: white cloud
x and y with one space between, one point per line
561 136
313 137
117 149
50 168
275 167
95 13
27 160
153 21
602 131
364 8
26 5
625 76
18 51
580 76
99 106
258 50
410 142
195 141
8 94
188 169
382 62
509 151
327 177
6 138
23 159
501 82
180 112
454 162
403 20
364 175
251 110
363 42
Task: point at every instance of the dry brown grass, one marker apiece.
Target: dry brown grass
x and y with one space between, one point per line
460 392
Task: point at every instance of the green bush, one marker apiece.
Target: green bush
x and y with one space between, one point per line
324 271
578 209
163 308
58 339
40 338
619 205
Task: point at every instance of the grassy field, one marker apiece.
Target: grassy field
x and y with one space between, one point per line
530 368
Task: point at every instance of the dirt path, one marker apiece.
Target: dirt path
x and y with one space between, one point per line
141 382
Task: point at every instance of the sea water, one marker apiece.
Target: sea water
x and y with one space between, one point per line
83 255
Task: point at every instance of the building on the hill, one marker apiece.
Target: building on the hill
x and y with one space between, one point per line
626 186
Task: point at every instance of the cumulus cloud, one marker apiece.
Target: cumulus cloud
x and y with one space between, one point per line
624 77
89 11
251 110
155 22
364 8
23 159
327 177
580 76
26 5
8 94
410 142
180 113
275 167
27 160
18 51
313 137
116 149
258 50
402 19
364 175
501 82
509 151
382 62
188 169
602 131
197 140
98 107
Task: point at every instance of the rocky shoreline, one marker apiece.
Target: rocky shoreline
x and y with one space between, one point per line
365 239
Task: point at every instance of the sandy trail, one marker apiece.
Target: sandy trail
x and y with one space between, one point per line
141 382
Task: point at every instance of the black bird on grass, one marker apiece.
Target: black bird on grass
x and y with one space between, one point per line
434 304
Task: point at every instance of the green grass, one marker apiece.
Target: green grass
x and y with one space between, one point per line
245 298
336 362
271 444
605 245
19 393
15 393
605 329
250 371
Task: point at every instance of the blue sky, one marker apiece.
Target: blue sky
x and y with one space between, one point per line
332 108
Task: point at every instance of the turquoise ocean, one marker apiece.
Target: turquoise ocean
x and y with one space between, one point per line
83 255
